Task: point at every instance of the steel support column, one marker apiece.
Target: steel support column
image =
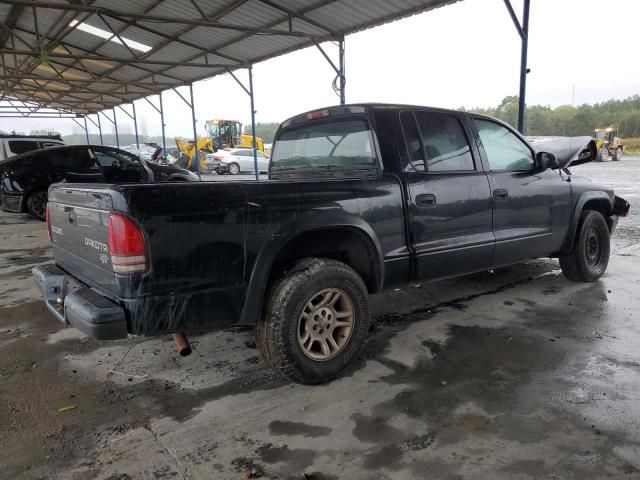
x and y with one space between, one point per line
340 81
523 65
523 31
196 160
115 126
164 142
135 126
132 116
253 123
343 79
86 130
100 129
249 91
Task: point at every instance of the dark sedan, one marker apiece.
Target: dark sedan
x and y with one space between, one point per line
25 178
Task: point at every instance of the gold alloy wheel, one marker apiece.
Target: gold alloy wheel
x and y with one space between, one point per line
325 324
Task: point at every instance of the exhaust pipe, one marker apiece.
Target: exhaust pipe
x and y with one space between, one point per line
182 344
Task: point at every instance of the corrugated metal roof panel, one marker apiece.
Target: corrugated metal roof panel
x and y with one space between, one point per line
178 35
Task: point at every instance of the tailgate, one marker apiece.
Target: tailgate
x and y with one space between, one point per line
79 234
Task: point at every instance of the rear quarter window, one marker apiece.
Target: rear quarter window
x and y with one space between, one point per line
346 143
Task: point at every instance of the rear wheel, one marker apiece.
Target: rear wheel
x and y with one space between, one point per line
589 258
316 321
37 204
618 156
234 169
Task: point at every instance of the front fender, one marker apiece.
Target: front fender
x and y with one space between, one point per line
256 288
597 195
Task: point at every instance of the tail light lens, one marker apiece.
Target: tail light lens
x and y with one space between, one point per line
126 245
218 157
47 217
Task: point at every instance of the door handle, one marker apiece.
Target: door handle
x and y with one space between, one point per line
426 200
501 194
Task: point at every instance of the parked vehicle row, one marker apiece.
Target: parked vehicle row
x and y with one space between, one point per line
25 178
360 198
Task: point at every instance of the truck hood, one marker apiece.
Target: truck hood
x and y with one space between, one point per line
568 150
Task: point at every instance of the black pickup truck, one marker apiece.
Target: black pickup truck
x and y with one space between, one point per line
359 198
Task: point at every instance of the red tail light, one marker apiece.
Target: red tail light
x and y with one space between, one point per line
47 217
218 157
126 245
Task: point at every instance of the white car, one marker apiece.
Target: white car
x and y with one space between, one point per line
236 161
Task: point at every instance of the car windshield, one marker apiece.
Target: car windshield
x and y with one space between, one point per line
327 144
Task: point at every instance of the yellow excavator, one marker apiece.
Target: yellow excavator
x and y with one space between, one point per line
224 134
607 144
228 134
186 147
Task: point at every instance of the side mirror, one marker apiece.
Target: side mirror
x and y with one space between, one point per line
546 160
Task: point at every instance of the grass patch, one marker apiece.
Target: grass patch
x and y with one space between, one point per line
631 146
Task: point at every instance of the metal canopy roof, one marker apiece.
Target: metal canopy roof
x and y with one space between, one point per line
52 55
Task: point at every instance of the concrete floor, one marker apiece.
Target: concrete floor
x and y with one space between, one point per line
515 374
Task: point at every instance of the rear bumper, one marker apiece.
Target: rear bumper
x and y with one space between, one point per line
73 303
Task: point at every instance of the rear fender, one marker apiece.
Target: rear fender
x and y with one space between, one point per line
256 289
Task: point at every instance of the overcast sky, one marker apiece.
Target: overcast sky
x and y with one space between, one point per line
466 54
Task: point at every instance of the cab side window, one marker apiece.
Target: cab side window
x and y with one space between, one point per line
436 142
445 143
22 146
72 161
505 151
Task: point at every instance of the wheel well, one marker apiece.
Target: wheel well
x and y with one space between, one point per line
347 245
25 197
602 206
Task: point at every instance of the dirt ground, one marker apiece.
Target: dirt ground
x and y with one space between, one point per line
509 374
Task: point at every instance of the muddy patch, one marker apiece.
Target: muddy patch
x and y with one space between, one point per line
48 418
280 427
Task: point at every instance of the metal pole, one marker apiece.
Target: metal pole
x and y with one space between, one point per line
253 123
195 132
135 126
523 66
100 129
115 126
164 143
86 130
343 79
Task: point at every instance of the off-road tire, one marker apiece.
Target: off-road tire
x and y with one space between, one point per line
602 155
618 155
577 265
277 332
37 204
234 169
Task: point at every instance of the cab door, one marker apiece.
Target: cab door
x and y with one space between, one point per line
449 197
531 207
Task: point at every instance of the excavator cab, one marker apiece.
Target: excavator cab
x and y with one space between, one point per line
225 133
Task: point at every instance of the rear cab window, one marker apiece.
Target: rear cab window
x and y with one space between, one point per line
436 143
341 144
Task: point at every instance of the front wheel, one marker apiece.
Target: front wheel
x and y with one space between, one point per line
37 204
234 169
316 321
618 156
589 258
603 155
